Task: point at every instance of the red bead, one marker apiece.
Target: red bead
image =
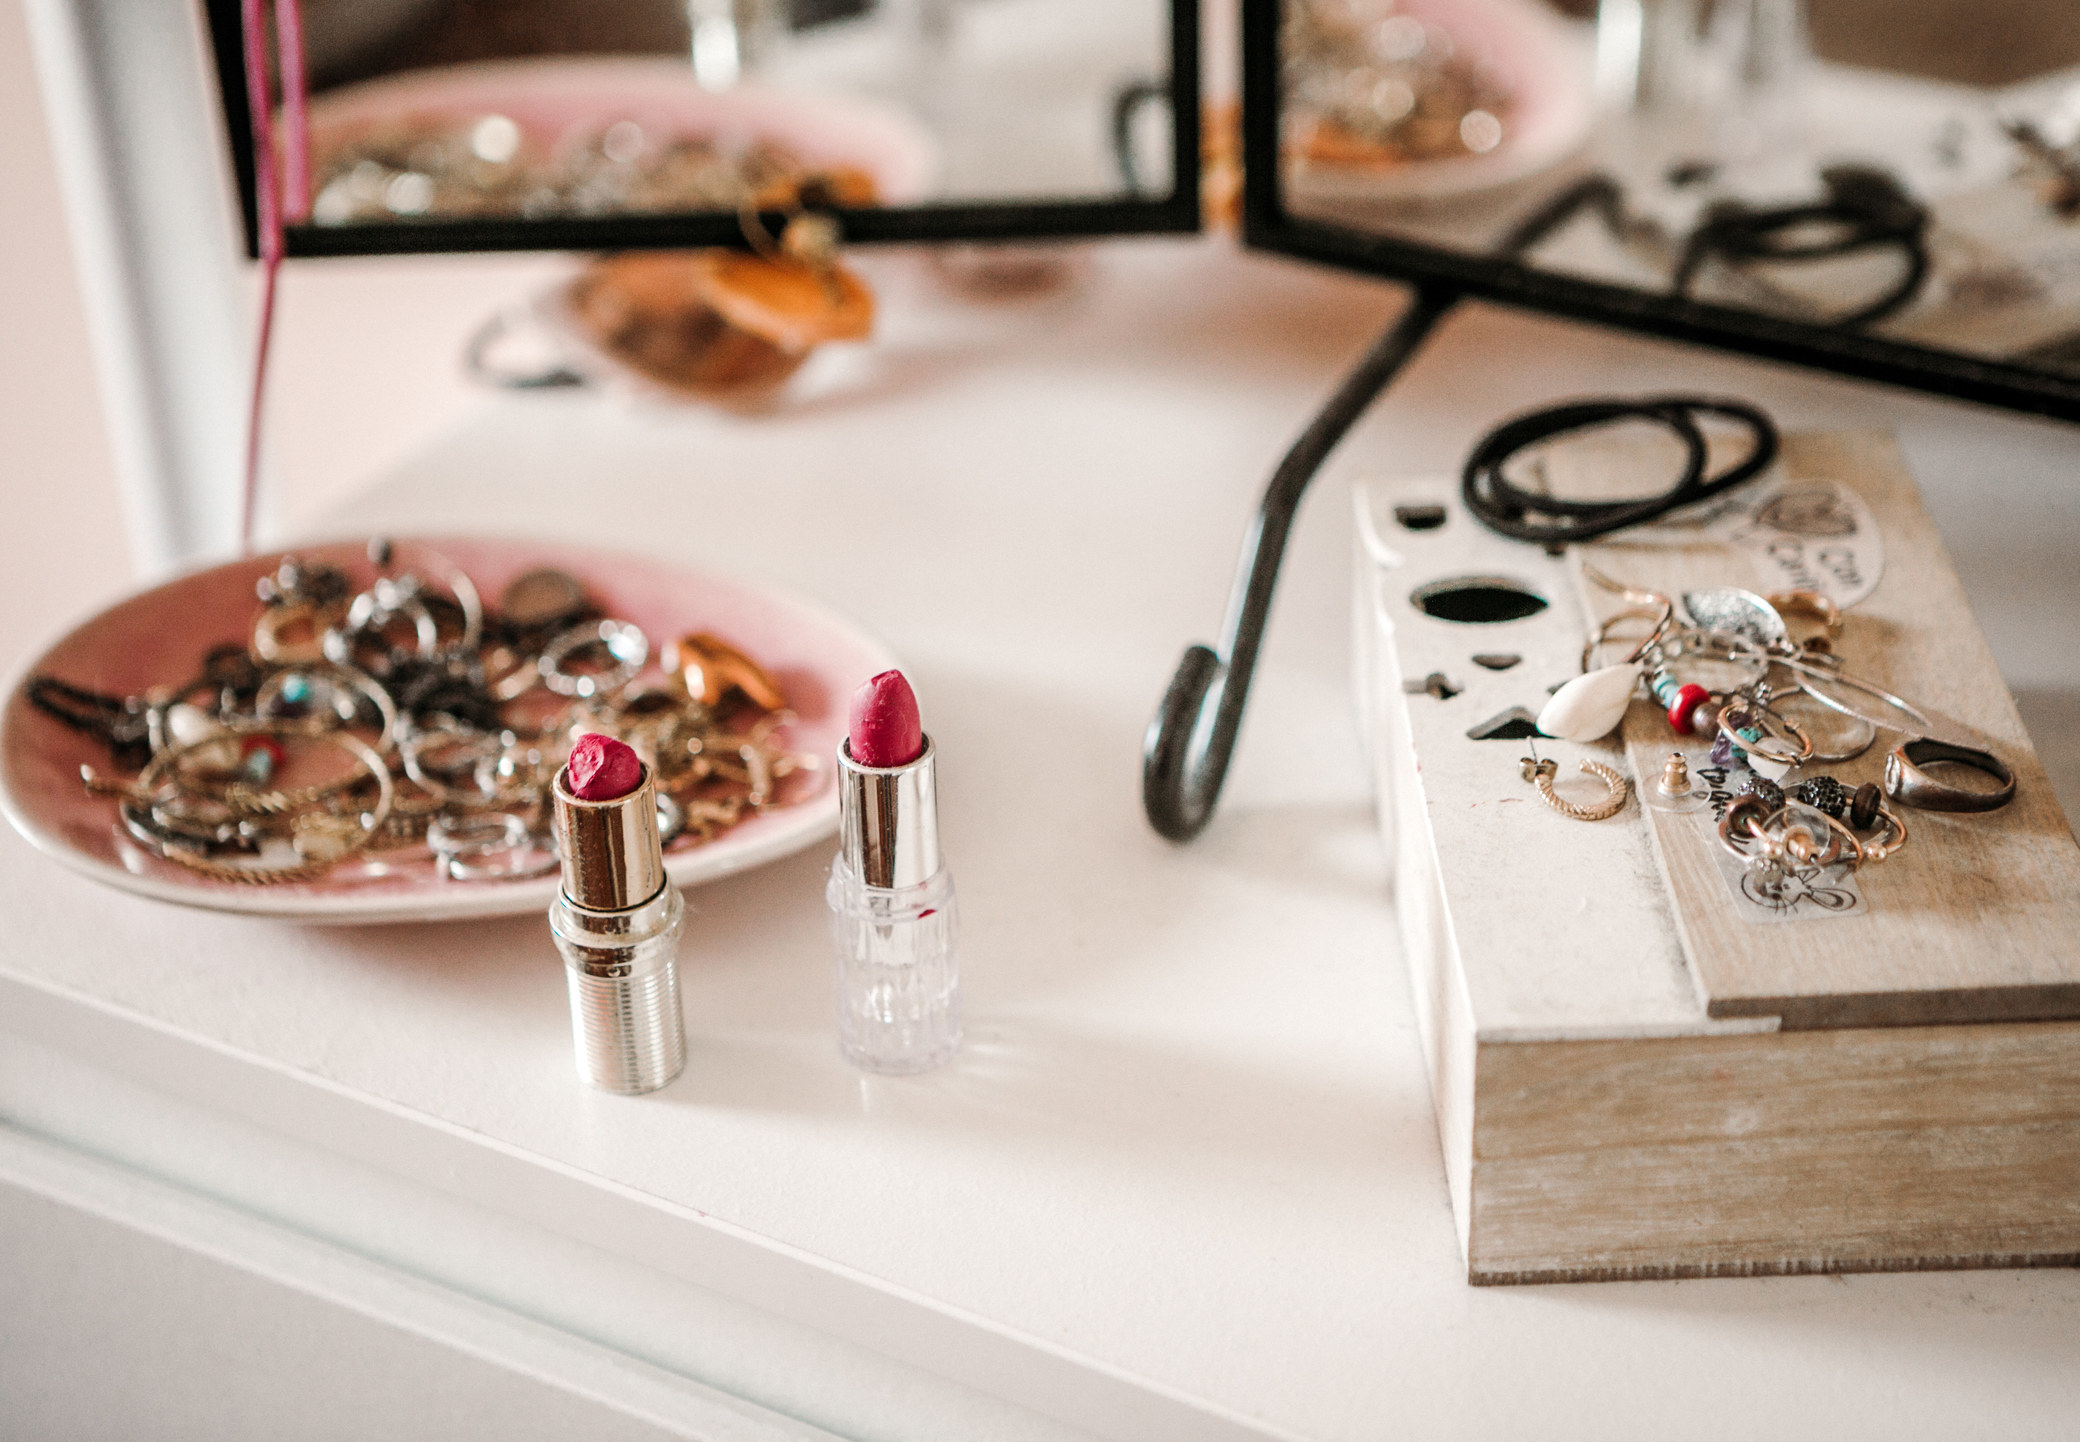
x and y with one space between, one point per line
276 752
1688 699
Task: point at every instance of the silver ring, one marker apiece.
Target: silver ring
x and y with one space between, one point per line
671 818
624 643
488 846
1917 721
376 608
1852 741
270 696
445 730
1908 784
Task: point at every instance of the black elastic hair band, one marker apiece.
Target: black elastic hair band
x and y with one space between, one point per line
1523 515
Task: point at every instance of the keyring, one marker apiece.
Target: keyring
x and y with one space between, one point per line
624 644
1908 784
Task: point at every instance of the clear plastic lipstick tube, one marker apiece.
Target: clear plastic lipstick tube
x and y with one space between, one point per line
893 920
617 922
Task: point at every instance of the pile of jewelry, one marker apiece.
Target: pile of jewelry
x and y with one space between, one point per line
1729 668
424 167
1368 84
365 726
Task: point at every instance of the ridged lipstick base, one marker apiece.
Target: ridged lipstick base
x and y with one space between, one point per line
623 971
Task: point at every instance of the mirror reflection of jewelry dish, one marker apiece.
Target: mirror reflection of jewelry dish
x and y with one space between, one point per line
544 107
157 635
1531 55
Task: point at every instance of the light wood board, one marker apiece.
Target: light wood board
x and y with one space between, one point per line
1597 1123
1898 1148
1977 918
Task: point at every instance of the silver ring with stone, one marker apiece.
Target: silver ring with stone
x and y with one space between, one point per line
624 644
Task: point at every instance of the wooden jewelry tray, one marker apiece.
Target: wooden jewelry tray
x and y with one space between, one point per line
1631 1079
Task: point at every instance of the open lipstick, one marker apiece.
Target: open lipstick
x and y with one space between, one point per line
617 921
891 898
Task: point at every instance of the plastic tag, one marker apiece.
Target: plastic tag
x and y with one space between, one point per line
1806 893
1809 893
1804 535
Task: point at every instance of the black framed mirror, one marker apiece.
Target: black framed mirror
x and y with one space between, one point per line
1885 188
1900 203
454 125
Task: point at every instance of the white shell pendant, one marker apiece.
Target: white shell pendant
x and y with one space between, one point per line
1590 705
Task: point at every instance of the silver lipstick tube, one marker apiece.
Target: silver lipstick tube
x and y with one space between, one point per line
889 819
617 923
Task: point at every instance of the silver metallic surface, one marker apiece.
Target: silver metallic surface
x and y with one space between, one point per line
1819 682
1731 609
623 643
1832 740
612 857
889 819
617 924
622 967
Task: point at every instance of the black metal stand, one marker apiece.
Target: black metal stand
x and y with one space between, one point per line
1190 741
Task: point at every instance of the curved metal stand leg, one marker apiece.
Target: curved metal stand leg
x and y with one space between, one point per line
1185 757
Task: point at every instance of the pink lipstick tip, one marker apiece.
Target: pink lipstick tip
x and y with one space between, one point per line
885 729
602 769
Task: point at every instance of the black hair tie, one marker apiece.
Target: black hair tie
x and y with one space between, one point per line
1509 509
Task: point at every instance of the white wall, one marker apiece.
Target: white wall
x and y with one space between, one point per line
57 477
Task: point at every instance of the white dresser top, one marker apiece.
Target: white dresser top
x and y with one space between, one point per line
1183 1181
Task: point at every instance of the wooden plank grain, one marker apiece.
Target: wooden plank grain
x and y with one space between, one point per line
1977 918
1908 1147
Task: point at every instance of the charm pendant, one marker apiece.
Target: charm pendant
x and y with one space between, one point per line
1590 706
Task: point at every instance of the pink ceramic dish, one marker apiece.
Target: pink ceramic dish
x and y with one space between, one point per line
160 635
1543 65
551 97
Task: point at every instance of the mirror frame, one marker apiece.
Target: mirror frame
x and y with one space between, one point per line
1176 213
1268 226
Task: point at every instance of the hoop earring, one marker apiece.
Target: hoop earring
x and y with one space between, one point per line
1541 773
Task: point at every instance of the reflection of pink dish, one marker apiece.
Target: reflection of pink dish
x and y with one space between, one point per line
1534 56
549 98
815 658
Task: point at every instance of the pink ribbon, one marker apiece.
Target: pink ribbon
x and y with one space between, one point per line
271 207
